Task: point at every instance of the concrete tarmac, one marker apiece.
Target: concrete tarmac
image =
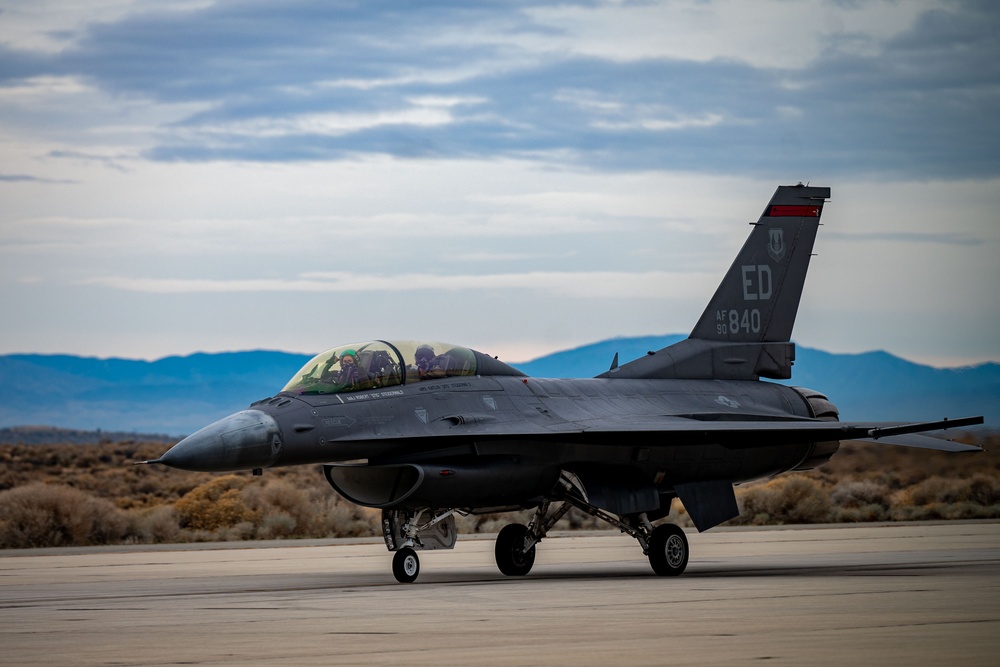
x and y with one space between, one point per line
898 594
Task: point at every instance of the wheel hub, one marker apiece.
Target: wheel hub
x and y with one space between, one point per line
675 551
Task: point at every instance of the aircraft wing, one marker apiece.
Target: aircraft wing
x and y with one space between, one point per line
751 434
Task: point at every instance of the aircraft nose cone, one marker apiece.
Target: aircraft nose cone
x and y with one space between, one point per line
242 441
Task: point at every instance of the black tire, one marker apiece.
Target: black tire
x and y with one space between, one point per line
512 558
405 565
668 550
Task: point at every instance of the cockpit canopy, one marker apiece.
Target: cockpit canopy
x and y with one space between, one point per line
380 363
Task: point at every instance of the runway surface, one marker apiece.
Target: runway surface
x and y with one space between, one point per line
901 594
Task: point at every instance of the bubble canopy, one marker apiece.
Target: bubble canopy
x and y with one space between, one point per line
379 363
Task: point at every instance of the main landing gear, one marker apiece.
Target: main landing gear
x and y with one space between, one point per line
667 549
666 546
514 558
406 532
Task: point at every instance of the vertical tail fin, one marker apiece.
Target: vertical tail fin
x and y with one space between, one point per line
745 331
759 296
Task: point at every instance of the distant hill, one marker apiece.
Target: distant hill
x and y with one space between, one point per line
50 435
174 395
594 359
178 395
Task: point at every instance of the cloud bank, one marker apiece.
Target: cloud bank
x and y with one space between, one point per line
579 166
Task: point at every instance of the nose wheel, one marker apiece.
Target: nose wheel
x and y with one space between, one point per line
405 565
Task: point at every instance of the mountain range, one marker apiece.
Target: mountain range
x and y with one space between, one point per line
178 395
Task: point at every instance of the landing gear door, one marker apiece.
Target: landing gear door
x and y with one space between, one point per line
403 529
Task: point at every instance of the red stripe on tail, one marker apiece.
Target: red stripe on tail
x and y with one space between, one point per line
794 211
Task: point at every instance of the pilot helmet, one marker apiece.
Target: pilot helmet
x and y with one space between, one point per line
424 353
349 353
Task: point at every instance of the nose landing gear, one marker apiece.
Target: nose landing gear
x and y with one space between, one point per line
406 532
405 565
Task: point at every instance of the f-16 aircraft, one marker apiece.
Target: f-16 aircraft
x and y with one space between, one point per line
425 430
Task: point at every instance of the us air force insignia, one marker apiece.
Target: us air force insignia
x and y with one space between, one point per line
728 402
776 245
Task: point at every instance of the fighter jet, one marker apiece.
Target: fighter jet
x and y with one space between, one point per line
426 430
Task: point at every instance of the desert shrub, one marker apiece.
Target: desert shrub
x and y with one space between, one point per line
984 490
493 522
576 519
336 517
937 490
859 513
44 515
156 525
276 525
244 530
903 512
860 493
280 508
215 504
485 523
944 498
792 499
862 482
959 510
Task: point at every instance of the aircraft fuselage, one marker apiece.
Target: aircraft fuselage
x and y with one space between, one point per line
538 422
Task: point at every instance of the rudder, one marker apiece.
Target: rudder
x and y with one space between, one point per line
758 298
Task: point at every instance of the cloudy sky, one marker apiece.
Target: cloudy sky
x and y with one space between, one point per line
516 176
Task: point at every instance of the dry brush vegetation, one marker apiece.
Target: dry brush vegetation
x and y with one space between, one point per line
63 495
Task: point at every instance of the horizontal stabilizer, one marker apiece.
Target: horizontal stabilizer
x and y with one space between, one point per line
923 442
908 435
